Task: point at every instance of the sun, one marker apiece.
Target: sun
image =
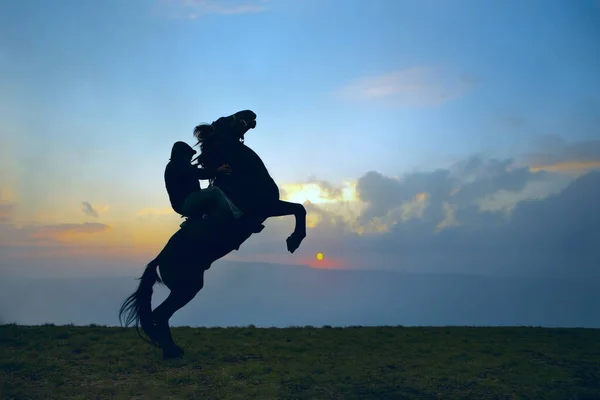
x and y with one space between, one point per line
320 256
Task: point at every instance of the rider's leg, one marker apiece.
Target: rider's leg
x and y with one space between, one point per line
211 201
225 202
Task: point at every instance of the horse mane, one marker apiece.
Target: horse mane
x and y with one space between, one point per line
223 132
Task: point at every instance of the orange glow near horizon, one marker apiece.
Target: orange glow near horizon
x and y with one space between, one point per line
287 259
325 263
321 262
126 234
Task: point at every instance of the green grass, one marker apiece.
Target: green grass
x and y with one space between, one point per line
68 362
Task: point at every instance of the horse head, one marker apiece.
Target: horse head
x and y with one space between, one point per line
231 128
235 126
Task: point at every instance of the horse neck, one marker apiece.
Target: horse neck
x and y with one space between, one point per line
252 163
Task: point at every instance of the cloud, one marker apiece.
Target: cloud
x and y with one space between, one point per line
318 192
479 215
411 87
444 191
13 234
555 154
193 9
65 231
87 209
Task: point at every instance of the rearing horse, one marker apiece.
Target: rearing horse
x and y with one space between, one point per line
250 186
187 254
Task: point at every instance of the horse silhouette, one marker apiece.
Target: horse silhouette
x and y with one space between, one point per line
198 243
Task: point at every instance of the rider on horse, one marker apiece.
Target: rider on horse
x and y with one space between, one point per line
181 262
223 142
185 194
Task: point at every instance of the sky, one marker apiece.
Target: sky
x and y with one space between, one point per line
428 137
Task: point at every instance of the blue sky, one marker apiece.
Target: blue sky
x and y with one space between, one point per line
95 93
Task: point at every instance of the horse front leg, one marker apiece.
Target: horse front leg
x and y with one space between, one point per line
282 208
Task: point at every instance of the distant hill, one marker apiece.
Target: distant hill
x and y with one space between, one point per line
238 294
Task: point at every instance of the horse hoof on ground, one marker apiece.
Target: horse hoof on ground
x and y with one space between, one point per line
293 242
172 352
152 335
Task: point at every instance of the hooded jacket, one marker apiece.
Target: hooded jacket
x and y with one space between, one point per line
181 177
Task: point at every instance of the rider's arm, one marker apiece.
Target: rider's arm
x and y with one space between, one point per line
205 174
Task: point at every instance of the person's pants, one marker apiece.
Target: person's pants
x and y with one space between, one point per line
211 201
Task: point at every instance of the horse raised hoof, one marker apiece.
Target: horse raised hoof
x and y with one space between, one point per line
172 352
293 242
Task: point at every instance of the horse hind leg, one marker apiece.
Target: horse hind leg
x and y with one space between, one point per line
177 299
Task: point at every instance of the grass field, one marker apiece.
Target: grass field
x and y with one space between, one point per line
68 362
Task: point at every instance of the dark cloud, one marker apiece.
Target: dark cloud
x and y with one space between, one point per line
555 235
383 194
541 225
87 209
551 150
493 217
458 187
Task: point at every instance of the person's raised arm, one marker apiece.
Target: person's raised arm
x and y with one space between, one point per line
206 174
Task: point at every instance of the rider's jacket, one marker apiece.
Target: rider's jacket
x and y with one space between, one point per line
182 179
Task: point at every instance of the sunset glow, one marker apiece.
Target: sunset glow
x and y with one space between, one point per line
318 194
384 150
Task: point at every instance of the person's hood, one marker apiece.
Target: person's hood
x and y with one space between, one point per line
182 150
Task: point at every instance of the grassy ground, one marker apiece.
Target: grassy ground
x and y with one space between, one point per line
67 362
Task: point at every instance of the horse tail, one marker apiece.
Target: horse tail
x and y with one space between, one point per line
137 308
